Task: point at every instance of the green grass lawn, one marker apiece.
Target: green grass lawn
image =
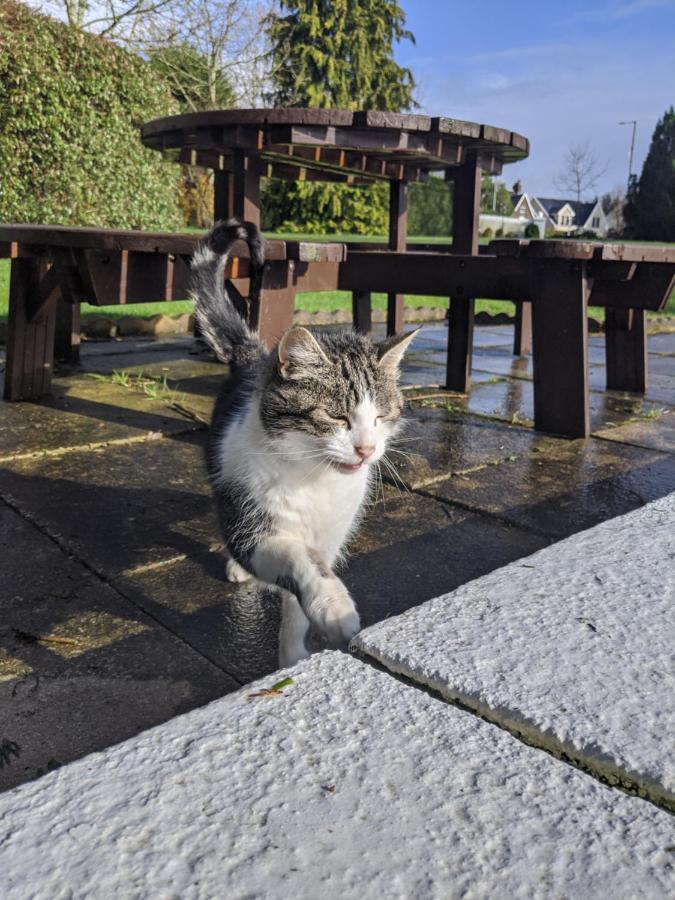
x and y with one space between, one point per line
328 301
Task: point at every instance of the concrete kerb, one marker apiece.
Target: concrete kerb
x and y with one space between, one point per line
342 781
570 649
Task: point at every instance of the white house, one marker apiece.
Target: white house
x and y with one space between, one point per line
564 217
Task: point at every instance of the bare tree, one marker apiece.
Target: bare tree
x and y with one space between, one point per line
229 38
581 170
111 18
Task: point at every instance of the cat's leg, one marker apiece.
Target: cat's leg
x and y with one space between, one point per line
293 632
324 598
234 572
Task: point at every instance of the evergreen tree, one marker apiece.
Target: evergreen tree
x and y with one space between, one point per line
650 207
337 54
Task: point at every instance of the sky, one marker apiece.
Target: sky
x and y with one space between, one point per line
559 73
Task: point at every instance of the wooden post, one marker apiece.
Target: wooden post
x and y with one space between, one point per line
30 332
560 290
465 214
67 331
237 193
361 311
222 195
398 231
522 338
245 188
626 349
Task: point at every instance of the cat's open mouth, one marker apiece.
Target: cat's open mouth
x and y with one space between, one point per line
348 467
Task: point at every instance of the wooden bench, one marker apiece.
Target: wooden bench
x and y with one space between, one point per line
553 283
54 269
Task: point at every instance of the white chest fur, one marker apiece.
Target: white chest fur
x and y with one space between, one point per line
305 498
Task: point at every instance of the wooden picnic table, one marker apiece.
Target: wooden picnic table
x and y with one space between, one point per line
347 147
553 283
54 269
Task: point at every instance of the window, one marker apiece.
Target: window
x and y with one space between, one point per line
596 222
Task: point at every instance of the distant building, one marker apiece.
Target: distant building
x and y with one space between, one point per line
563 217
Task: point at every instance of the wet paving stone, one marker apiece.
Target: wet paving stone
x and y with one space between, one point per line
121 507
236 626
664 342
657 433
562 492
409 550
80 667
83 411
436 443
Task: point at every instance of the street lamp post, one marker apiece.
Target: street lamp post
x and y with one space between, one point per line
632 122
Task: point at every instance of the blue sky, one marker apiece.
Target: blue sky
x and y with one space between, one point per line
559 73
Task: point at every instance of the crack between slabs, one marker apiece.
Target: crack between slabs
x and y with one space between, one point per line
57 452
613 777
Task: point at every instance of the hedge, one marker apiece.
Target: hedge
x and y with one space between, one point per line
70 107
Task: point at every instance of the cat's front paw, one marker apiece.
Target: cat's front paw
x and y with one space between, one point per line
235 573
334 614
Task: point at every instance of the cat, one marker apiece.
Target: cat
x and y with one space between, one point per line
295 436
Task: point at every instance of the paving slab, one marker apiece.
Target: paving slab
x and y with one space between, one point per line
236 626
331 788
660 386
657 433
565 488
80 667
82 412
664 342
512 400
571 648
436 442
410 549
120 507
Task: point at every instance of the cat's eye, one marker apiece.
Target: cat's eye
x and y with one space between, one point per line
343 421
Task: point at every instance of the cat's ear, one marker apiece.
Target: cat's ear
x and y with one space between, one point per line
390 351
299 353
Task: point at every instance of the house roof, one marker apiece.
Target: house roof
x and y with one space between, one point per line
550 207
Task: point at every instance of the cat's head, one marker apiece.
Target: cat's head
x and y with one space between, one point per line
333 398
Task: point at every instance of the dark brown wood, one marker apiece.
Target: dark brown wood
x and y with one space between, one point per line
560 290
626 350
465 215
67 332
398 235
222 195
361 311
386 140
245 189
30 337
522 338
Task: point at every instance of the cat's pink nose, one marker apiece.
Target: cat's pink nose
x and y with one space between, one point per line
365 452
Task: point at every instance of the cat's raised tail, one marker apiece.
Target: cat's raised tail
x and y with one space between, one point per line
222 327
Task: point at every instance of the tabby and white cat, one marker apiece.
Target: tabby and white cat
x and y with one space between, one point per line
294 438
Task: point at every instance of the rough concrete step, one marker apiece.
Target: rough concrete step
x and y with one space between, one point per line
572 648
348 783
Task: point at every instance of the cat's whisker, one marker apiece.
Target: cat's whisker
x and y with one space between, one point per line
394 473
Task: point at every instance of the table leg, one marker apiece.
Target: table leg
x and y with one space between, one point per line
522 339
271 308
398 232
460 345
67 331
560 292
30 332
626 349
361 311
465 216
